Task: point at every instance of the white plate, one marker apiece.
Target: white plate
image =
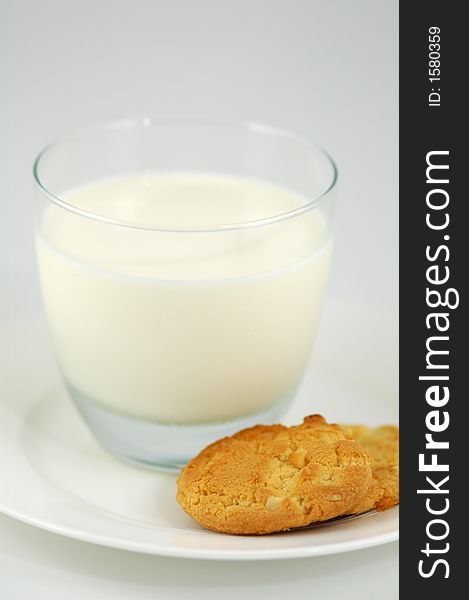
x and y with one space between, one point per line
59 478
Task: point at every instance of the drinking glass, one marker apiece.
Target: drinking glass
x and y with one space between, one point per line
176 326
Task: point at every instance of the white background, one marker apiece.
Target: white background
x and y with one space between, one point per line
327 69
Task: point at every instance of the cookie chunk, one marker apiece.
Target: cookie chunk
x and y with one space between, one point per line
382 444
272 478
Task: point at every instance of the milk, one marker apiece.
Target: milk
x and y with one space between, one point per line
196 326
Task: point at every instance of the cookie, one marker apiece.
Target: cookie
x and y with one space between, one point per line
273 478
382 444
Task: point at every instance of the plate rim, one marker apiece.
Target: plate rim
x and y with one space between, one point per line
205 554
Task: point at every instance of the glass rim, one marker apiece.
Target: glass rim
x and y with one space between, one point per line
147 122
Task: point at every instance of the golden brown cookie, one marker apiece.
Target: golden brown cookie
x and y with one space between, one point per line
273 478
382 444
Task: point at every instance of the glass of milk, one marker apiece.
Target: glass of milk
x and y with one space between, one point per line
183 265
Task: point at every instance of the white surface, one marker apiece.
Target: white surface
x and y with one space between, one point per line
326 69
43 565
59 478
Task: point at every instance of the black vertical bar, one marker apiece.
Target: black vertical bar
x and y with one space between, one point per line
432 120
